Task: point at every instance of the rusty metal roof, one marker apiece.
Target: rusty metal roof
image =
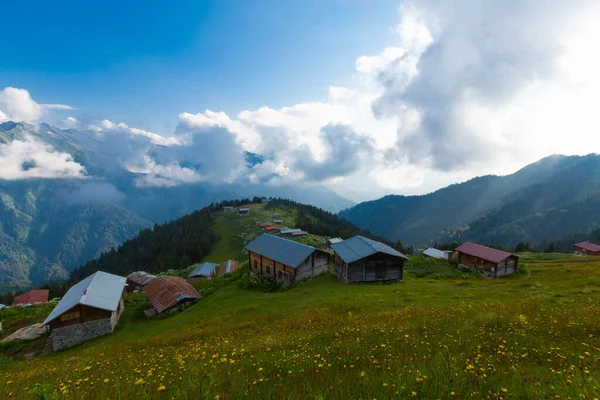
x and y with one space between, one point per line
140 278
32 297
166 292
281 250
483 252
589 246
228 266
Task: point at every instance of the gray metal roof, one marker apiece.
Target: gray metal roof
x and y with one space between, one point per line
100 290
335 240
281 250
435 253
2 306
289 231
205 269
359 247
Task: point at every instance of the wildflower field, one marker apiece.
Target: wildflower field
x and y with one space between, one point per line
533 335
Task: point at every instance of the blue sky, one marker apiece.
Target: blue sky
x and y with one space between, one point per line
144 62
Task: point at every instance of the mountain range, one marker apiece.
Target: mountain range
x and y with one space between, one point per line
49 227
549 200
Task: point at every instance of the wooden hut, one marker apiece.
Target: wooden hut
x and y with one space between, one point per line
30 298
360 259
243 210
91 308
285 260
490 262
138 279
169 292
587 249
202 271
228 267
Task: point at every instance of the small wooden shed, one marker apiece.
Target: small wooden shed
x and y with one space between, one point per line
31 297
587 249
360 259
490 262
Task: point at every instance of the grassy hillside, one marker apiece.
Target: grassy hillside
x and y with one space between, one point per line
532 335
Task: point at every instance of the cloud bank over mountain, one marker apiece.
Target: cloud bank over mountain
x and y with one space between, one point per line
469 88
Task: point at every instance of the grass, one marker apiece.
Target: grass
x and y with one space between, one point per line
519 337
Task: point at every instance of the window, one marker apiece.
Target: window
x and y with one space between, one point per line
256 265
279 275
69 316
268 270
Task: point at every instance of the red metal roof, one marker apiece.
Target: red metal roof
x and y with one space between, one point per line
166 292
271 228
265 224
32 297
589 246
483 252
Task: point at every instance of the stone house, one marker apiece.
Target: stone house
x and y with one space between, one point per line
91 308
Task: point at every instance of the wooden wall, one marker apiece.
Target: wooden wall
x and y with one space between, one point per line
85 314
586 252
489 268
271 268
376 268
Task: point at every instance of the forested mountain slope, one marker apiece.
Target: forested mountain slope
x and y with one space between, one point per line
547 200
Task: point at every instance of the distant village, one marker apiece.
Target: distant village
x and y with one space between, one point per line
92 307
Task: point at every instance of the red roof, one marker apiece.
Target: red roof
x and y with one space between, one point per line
265 224
589 246
32 297
271 228
483 252
166 292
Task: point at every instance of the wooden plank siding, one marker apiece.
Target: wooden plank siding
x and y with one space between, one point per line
85 314
489 268
375 268
312 266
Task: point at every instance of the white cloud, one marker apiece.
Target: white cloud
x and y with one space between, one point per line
33 159
17 104
468 88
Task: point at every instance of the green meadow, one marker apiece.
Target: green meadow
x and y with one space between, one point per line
532 335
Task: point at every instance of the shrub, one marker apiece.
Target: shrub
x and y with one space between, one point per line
262 283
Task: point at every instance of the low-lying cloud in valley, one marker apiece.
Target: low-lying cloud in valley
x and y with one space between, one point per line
469 88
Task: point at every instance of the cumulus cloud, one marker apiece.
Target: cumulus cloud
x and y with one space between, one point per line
486 67
17 104
34 159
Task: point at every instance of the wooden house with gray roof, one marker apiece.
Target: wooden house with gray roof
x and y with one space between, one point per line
360 259
285 260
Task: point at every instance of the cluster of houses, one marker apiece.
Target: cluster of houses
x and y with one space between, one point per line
92 307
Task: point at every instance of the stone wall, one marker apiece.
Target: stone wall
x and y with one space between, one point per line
75 334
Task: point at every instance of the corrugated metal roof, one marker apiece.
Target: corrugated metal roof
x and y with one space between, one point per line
228 267
281 250
270 228
264 224
206 269
32 297
335 240
278 221
301 233
276 215
2 306
359 247
588 246
166 292
100 290
435 253
140 278
243 209
483 252
289 231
